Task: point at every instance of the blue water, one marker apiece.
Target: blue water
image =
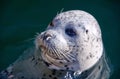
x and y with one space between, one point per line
20 20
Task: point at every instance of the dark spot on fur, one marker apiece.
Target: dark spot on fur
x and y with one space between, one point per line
72 68
36 63
79 25
67 68
62 70
22 77
86 71
88 38
33 59
50 75
51 24
55 78
86 31
73 61
66 65
39 59
74 46
97 39
77 46
6 71
91 55
87 57
46 63
61 62
99 67
44 74
53 72
93 39
11 72
67 60
76 53
60 73
82 49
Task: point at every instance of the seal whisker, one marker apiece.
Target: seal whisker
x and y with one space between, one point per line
58 54
70 56
65 56
55 52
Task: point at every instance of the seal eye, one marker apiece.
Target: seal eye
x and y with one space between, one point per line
71 32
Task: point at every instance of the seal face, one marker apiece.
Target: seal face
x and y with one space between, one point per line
72 41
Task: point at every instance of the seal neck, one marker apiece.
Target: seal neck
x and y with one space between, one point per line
94 72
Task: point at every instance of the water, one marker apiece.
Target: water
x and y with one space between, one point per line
20 21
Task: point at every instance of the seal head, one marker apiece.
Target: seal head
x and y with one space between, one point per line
72 41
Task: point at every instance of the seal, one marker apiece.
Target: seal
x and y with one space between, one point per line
71 47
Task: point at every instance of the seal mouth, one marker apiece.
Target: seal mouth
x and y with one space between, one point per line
50 49
42 47
47 45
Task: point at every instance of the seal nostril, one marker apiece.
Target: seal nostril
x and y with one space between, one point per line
46 36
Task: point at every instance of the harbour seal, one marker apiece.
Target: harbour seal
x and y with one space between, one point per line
70 48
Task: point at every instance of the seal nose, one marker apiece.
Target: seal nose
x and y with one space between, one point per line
47 36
